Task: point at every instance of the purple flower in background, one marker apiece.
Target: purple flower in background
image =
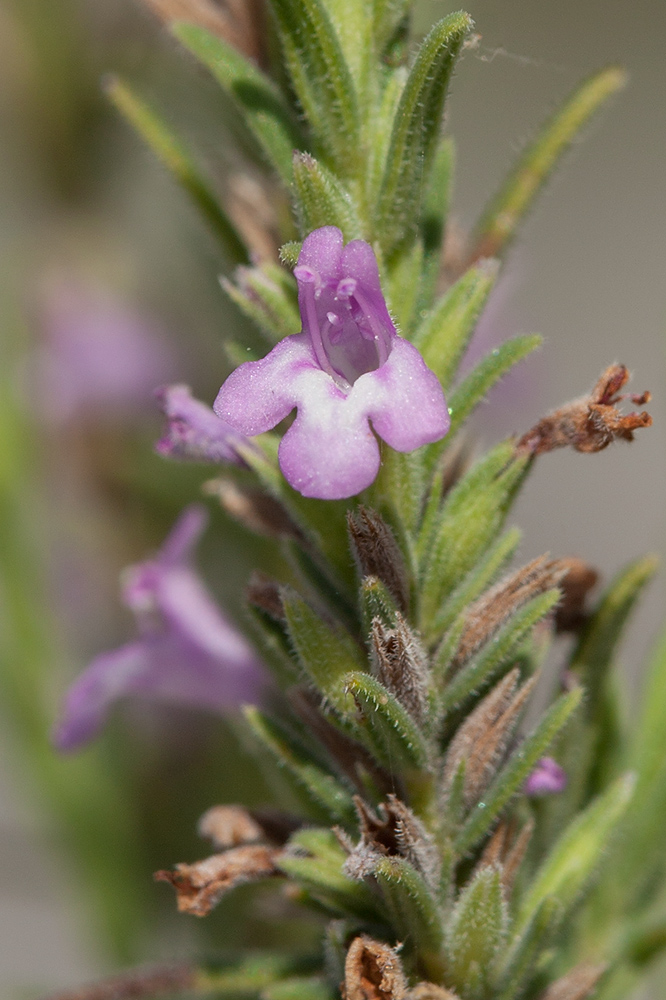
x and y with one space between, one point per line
193 431
345 370
98 354
547 778
186 652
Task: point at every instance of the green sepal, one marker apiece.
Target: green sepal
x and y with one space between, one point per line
171 152
444 334
500 221
466 530
289 253
501 647
475 386
413 910
514 773
475 933
577 854
326 654
321 874
384 725
267 296
321 200
322 79
260 102
310 782
416 129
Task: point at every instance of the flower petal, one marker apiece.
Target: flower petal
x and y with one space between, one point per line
193 431
329 452
259 394
322 250
181 541
86 705
404 399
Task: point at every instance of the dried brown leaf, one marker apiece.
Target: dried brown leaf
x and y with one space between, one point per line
505 850
264 593
373 972
576 985
200 886
401 664
377 553
592 422
255 510
238 22
484 736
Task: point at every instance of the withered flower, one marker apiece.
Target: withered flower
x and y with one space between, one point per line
373 972
592 422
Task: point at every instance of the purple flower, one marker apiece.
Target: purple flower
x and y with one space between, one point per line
193 431
186 652
547 778
346 369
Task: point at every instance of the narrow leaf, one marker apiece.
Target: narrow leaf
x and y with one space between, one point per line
475 386
443 336
577 853
322 78
266 295
486 665
385 725
260 102
501 219
412 910
514 773
326 654
321 789
416 128
476 932
321 873
438 196
174 156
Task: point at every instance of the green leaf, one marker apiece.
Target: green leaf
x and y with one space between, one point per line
260 102
403 285
597 645
321 874
576 855
416 129
481 576
500 221
517 964
503 645
445 333
321 789
475 386
385 726
326 654
353 24
387 17
464 532
267 295
514 773
322 79
475 933
177 160
321 200
412 909
377 602
438 196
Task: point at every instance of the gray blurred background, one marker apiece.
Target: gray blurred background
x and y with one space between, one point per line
588 272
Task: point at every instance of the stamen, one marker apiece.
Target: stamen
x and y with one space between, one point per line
346 288
336 327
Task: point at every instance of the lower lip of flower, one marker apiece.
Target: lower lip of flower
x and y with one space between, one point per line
347 337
